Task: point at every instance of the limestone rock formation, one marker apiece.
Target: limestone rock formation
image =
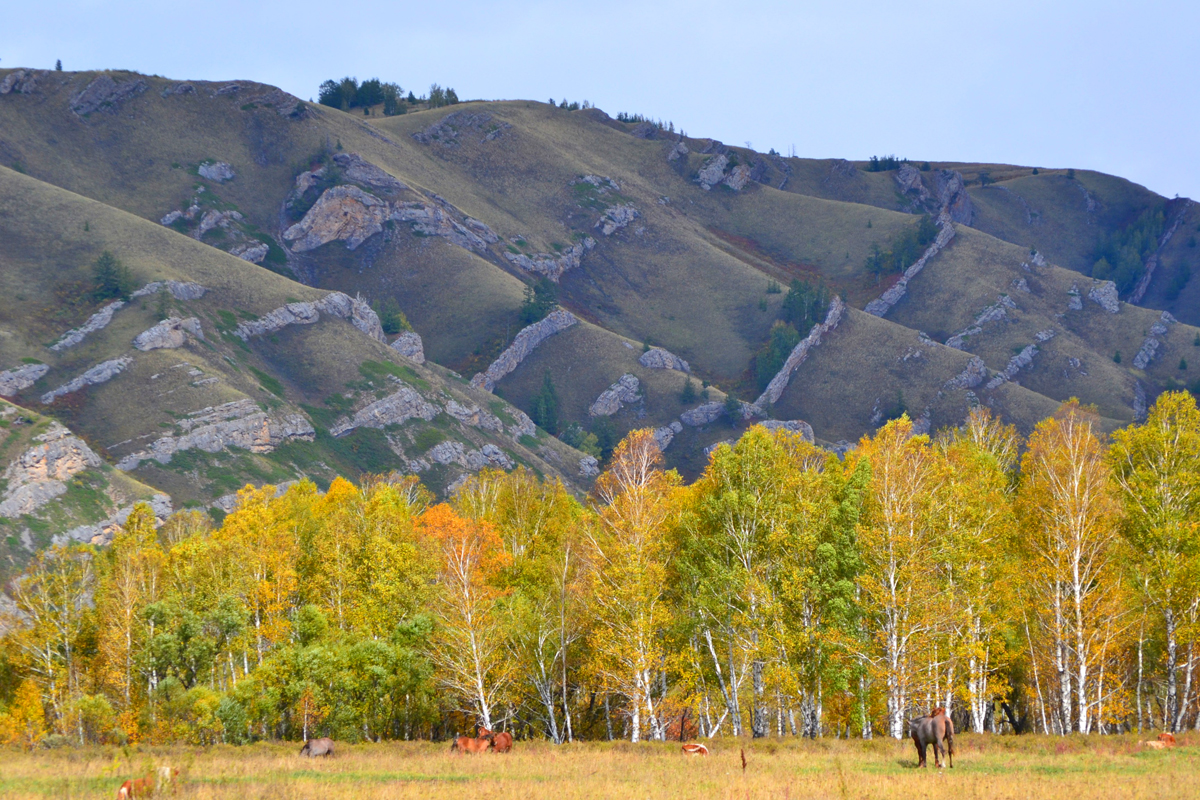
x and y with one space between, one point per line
215 219
883 304
95 322
522 427
240 423
20 81
1105 293
217 171
102 532
623 392
105 94
1020 361
799 353
702 414
993 313
100 373
355 168
254 252
344 213
792 425
451 452
908 180
713 172
589 467
972 375
523 344
18 379
409 345
180 290
356 310
433 221
168 334
550 265
953 198
617 217
738 177
474 416
1150 346
38 475
400 406
658 358
678 151
447 130
665 435
1074 298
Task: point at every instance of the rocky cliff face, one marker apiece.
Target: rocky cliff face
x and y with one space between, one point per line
356 310
623 392
168 334
39 474
400 406
240 424
658 358
883 304
101 373
105 94
409 345
21 378
343 213
549 265
799 353
525 342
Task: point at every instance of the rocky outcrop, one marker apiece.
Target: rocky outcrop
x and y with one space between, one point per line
180 290
105 94
343 213
1075 299
800 352
658 358
102 533
18 379
217 171
100 373
38 475
611 400
993 313
523 426
1149 348
355 168
525 342
665 435
550 265
21 81
712 448
400 406
409 345
216 219
451 452
449 128
908 181
254 252
702 414
1020 361
680 150
738 177
474 416
883 304
1105 294
972 375
430 220
589 467
95 322
953 198
240 424
617 217
335 304
1177 211
797 426
168 334
713 172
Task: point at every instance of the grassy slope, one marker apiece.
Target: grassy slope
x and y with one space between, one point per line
304 367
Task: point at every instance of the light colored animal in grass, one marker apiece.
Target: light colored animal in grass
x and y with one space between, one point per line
932 730
1154 745
695 750
317 747
166 778
465 744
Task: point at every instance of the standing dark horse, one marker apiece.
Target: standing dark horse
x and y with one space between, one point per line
932 730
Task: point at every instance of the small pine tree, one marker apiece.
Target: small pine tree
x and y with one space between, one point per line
545 405
1035 170
733 409
1183 363
1117 357
688 395
1071 174
110 278
58 65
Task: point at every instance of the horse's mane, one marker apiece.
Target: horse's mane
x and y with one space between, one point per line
938 712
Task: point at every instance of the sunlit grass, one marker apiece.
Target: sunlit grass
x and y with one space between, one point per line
986 767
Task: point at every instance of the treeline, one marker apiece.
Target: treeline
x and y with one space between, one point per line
1048 584
1121 255
348 93
905 249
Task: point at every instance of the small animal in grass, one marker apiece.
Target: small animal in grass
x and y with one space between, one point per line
1164 741
317 747
503 741
467 744
138 787
695 750
933 730
167 777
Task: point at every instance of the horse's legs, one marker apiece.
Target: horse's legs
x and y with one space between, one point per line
937 750
920 751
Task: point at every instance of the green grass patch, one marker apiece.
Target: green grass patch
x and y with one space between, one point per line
269 382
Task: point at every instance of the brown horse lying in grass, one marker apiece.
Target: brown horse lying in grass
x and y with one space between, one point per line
932 730
695 750
503 741
1164 741
465 744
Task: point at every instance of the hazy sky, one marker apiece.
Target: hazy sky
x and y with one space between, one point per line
1111 86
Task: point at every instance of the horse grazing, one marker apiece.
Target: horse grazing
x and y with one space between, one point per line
502 741
139 787
931 730
317 747
465 744
695 750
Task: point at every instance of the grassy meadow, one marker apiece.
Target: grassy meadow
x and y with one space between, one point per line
986 767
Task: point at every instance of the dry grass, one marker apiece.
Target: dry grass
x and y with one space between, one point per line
986 767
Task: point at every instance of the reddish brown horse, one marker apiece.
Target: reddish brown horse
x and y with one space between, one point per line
503 741
932 730
465 744
139 787
695 750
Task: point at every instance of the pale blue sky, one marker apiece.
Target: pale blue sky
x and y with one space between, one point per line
1112 86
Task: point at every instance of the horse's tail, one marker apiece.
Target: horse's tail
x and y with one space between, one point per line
950 741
